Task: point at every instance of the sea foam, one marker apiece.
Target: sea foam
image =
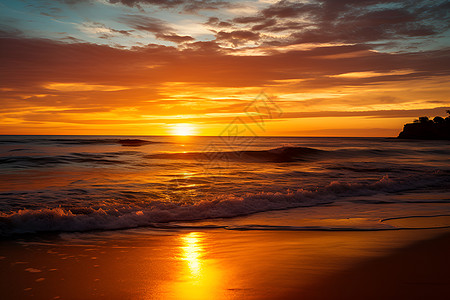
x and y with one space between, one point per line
222 206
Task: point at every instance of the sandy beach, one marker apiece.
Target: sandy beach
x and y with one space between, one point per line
227 264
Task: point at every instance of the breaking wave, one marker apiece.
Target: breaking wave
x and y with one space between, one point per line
156 213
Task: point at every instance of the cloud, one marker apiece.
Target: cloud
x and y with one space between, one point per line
264 25
101 30
394 113
349 21
237 37
288 9
175 38
145 23
186 5
38 61
246 20
82 87
369 74
161 29
214 21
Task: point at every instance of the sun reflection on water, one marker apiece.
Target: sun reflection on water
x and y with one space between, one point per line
199 277
192 251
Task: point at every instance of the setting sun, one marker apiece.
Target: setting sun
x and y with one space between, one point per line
183 129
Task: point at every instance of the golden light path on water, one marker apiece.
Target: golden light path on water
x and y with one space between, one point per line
192 252
199 277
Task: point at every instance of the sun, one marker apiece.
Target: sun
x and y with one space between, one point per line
183 129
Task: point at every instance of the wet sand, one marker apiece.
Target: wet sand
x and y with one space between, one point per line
223 264
418 271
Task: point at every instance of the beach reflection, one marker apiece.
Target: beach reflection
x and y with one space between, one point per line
192 251
199 278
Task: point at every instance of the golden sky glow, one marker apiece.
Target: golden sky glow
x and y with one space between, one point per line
191 68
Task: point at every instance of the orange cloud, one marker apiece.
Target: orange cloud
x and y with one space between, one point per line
83 88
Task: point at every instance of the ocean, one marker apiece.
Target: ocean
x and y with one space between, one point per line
104 183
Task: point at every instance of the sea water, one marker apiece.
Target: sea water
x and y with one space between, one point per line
85 183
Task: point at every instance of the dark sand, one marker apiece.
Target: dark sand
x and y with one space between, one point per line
419 271
220 264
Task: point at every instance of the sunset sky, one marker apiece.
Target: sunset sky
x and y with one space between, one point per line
153 67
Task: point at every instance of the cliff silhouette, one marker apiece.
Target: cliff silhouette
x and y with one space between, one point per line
427 129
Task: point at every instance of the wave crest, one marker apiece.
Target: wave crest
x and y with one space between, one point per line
60 219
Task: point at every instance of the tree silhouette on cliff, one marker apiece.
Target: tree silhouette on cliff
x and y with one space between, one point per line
426 129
